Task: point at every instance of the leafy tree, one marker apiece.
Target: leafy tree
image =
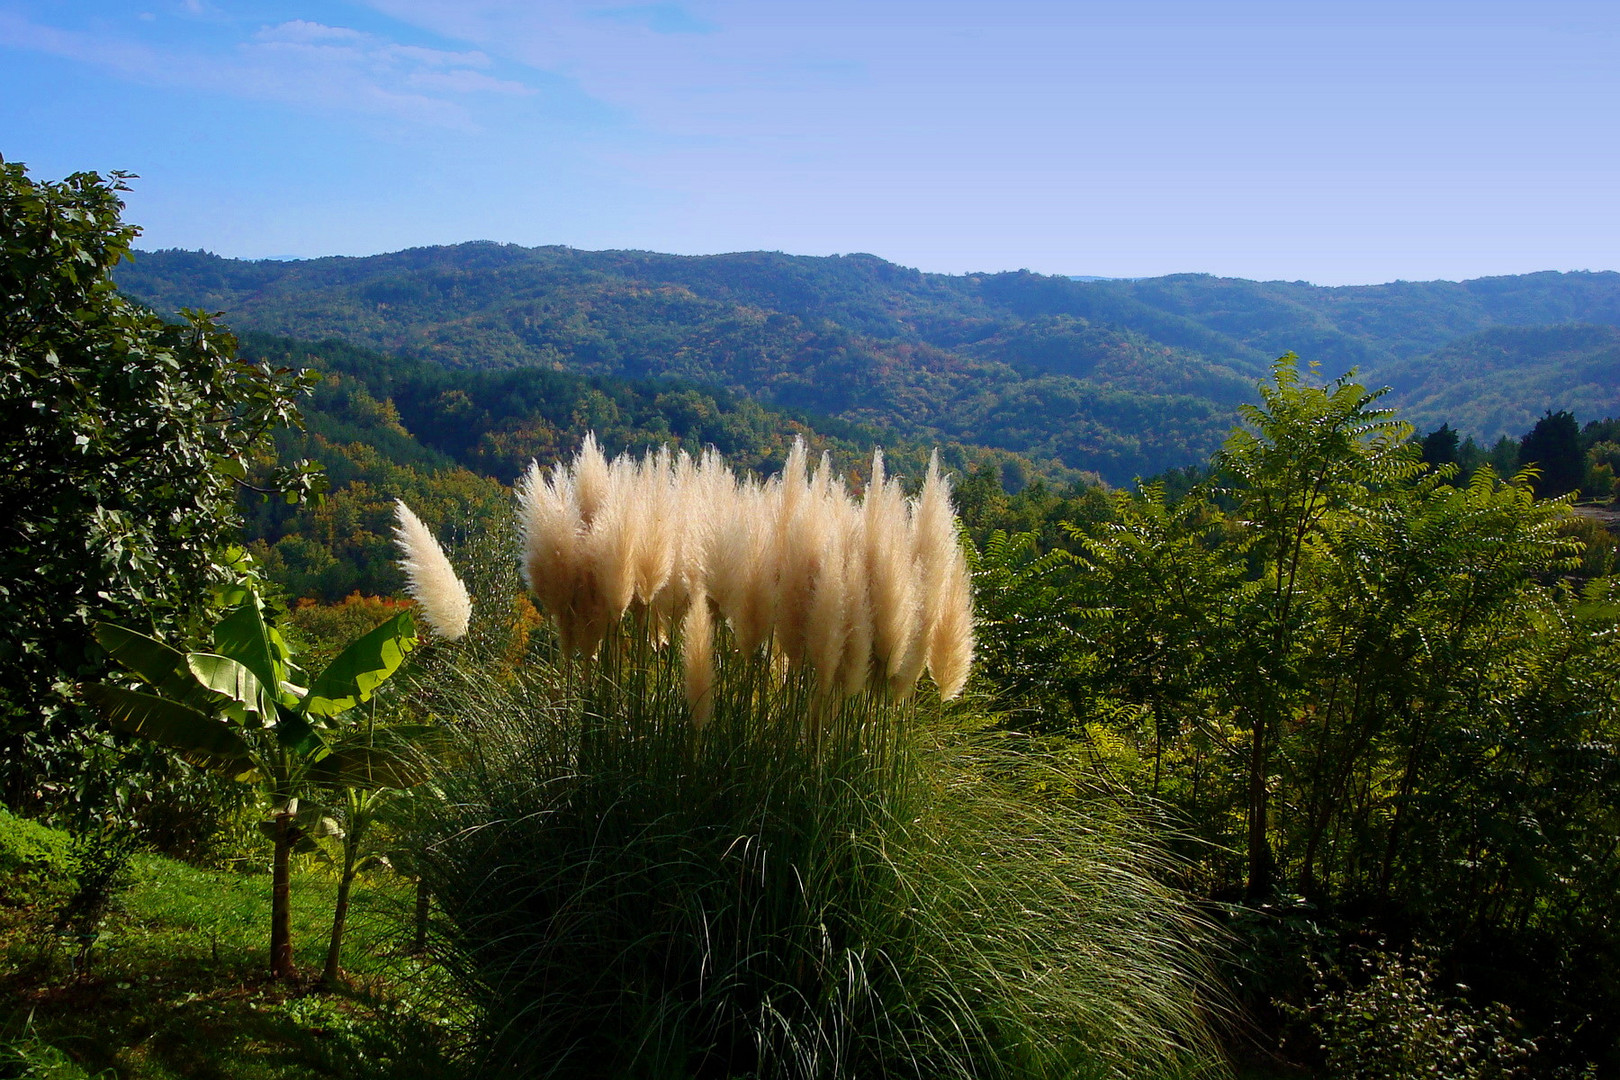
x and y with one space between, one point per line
1386 690
1553 448
1310 452
123 439
1440 447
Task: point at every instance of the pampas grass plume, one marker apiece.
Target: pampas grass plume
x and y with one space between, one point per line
548 521
430 581
947 599
859 592
697 659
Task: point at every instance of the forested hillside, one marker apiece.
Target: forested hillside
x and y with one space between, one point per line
1122 377
452 442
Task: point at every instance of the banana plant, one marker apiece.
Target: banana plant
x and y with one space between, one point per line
236 711
369 771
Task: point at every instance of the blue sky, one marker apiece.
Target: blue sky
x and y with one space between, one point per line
1338 143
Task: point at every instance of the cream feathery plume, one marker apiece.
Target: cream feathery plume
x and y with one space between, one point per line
687 515
611 541
803 545
656 541
429 578
590 478
761 594
727 543
738 567
950 644
793 484
826 627
891 568
697 659
856 664
910 654
947 624
548 522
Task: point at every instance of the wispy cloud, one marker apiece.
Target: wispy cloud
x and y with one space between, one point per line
306 64
659 18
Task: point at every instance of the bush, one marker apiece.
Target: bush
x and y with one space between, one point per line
31 855
1392 1021
707 831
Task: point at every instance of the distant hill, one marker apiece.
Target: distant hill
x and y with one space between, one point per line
1500 382
1123 377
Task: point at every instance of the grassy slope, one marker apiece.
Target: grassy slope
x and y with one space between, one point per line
177 986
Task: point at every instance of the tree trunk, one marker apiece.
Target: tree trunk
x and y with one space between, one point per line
334 951
1260 862
281 952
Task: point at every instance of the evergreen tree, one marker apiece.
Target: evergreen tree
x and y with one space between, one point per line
1553 447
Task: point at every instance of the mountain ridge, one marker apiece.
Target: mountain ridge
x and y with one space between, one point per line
1122 377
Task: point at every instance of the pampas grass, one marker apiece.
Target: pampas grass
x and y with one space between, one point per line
867 594
714 833
429 578
623 896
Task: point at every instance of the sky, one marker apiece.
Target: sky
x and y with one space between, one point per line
1337 143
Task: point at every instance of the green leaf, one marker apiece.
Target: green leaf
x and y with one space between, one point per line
365 665
244 636
199 739
225 676
370 767
149 658
296 733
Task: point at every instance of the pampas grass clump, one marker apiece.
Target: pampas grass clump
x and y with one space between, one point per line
719 835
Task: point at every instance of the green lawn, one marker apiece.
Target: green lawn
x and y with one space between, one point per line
177 986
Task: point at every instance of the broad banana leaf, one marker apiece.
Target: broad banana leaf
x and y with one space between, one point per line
310 824
225 676
296 733
244 636
370 767
155 662
197 737
365 665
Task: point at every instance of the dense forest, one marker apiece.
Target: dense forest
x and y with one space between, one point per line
453 442
1299 758
1123 378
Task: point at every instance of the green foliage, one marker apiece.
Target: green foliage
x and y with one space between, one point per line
1388 693
31 854
1497 382
237 712
122 441
448 441
1553 449
31 1058
176 989
1123 378
1389 1021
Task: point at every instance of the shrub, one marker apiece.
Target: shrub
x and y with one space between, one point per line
1392 1021
715 834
